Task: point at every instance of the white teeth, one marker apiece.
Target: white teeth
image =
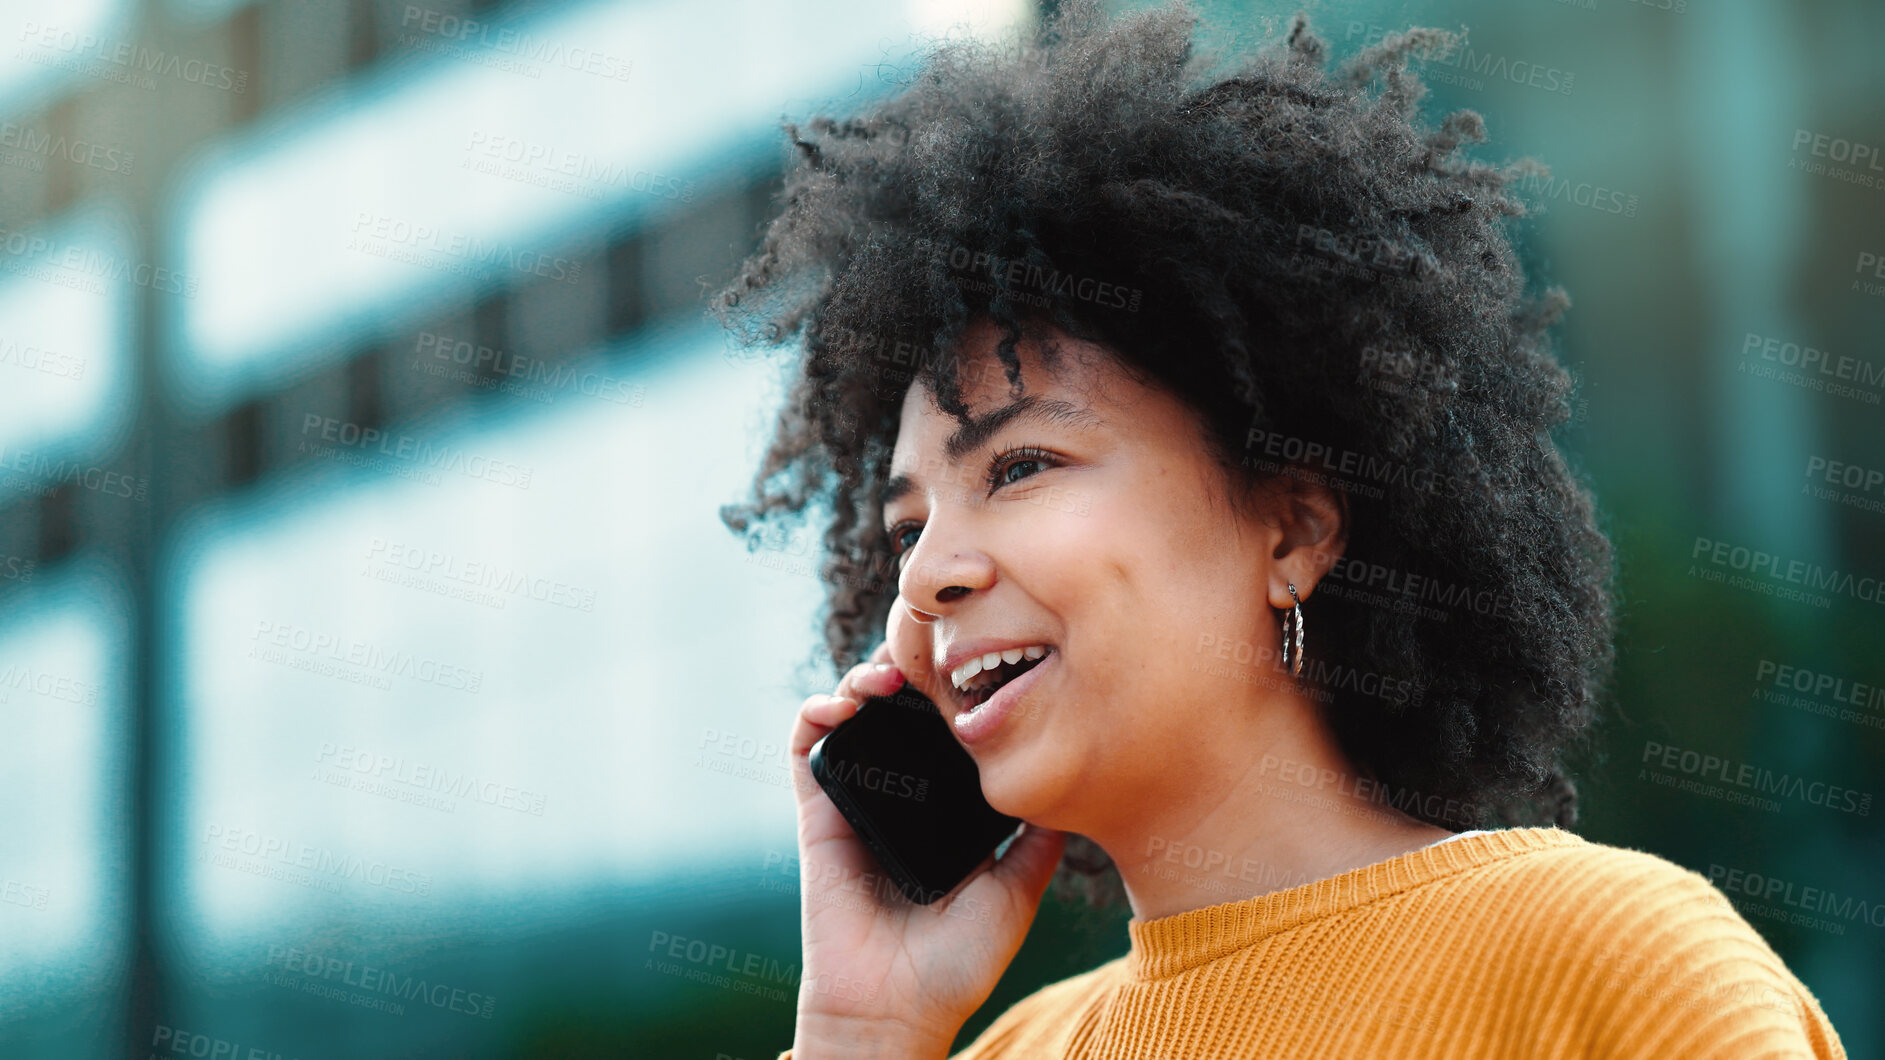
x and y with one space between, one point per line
961 675
967 670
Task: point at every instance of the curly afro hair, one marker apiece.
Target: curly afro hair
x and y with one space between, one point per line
1292 251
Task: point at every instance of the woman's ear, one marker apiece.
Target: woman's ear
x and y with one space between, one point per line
1313 519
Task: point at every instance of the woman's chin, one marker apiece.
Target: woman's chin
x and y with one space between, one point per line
1015 787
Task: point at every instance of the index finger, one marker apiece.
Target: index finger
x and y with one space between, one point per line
818 716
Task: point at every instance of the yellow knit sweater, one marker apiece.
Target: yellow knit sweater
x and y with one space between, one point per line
1523 942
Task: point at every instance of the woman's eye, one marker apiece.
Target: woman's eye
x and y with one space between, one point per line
1007 478
897 536
1001 468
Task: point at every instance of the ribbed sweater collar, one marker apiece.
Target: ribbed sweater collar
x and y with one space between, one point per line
1173 944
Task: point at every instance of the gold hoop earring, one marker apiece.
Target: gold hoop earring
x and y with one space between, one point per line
1292 630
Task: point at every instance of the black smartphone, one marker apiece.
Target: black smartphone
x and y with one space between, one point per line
911 793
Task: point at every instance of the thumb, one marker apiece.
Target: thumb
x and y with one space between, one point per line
1029 863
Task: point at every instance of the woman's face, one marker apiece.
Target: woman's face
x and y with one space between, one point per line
1108 539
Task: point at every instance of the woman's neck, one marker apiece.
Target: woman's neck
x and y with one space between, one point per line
1273 806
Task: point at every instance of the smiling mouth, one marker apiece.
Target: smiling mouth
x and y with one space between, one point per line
984 685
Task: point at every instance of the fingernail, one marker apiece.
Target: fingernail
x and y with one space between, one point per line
883 668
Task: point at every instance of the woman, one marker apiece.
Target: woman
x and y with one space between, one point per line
1214 415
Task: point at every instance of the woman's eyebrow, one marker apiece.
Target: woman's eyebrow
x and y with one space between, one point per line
976 432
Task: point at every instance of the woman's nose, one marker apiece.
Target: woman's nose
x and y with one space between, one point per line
931 587
917 614
947 593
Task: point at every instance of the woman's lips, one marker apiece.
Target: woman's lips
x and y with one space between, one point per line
976 725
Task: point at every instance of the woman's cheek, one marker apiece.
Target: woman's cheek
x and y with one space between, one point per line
909 647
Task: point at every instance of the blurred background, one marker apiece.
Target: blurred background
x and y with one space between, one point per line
377 680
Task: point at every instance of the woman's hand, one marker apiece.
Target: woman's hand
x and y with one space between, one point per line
878 970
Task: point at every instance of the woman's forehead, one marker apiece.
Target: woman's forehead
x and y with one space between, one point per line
929 438
1079 373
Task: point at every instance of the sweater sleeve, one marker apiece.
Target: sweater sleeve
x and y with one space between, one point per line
1023 1031
1042 1023
1699 980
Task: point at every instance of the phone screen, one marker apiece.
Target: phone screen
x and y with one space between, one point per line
911 792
